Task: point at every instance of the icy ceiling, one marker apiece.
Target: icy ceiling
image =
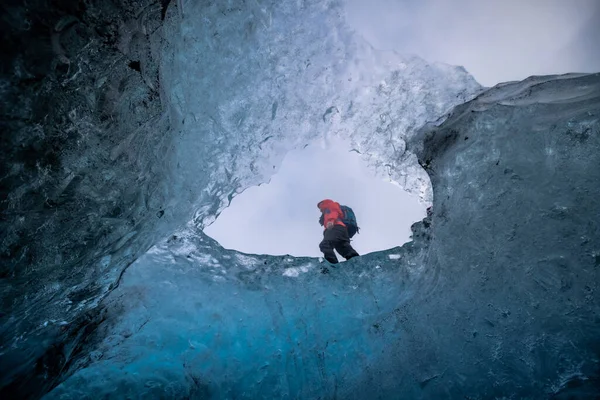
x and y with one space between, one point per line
248 82
127 120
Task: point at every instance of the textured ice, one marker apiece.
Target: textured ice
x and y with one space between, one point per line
288 73
141 117
127 118
496 296
263 327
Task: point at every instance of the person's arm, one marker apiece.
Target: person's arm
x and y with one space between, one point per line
331 213
330 218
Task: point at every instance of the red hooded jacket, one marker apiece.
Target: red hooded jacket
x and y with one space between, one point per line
332 212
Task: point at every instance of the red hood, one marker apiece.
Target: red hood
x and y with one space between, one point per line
332 212
327 203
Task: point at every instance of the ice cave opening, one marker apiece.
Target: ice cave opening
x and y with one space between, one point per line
279 217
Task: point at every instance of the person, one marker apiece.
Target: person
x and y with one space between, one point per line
335 235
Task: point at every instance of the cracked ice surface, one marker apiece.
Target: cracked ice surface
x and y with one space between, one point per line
147 122
193 319
495 297
249 83
498 298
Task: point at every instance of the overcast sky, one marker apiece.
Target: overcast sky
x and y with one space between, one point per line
282 217
496 41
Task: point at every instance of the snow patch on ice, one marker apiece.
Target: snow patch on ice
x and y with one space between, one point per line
246 260
294 272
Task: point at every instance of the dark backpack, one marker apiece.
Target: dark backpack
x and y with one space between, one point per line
349 220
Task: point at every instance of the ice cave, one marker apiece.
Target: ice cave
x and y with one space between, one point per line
128 126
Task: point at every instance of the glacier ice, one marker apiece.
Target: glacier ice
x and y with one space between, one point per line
141 115
294 73
140 119
198 320
507 308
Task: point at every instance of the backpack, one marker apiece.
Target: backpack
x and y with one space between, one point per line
349 220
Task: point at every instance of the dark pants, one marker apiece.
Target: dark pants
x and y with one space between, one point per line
337 238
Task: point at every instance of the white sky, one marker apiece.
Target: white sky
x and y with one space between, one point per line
495 40
282 217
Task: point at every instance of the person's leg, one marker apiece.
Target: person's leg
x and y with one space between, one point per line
346 250
326 247
342 243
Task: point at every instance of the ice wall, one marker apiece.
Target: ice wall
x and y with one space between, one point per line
192 320
247 83
83 161
496 297
128 118
110 149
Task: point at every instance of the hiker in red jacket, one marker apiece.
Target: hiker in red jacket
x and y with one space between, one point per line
335 235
